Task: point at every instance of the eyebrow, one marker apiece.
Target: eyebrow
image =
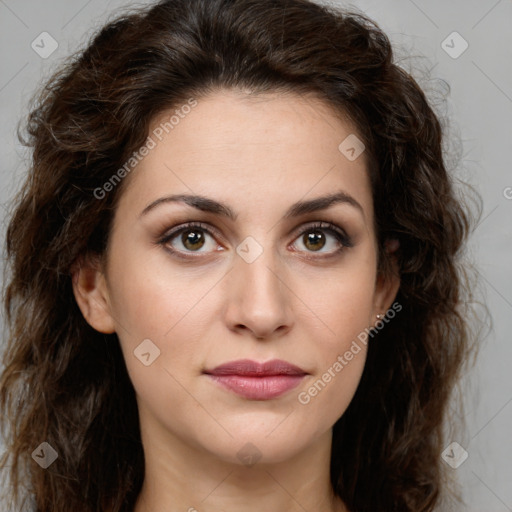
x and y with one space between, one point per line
206 204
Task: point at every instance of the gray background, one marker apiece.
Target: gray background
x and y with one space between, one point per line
480 108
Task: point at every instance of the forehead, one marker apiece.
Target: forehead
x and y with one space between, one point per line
250 150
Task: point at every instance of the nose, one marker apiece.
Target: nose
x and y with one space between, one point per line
259 297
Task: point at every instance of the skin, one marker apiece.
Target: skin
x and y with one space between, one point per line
259 155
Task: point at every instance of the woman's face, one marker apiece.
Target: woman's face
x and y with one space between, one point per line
260 284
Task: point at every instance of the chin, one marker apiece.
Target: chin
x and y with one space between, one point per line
258 448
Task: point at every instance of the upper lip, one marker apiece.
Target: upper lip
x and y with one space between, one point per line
254 369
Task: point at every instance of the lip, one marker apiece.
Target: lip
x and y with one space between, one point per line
257 381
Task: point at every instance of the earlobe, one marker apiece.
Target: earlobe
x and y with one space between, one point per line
91 294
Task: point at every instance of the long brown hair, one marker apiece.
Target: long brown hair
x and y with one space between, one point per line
67 385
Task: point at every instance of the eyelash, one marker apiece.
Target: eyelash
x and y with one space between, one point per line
328 227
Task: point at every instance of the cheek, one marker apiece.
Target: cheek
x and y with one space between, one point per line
149 297
327 395
341 300
171 306
151 301
344 304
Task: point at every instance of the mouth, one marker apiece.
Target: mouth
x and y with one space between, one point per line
257 381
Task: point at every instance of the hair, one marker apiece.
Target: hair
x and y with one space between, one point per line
67 384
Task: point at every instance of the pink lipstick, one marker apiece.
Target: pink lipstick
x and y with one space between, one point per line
257 381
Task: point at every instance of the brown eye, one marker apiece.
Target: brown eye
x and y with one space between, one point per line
323 235
192 239
314 240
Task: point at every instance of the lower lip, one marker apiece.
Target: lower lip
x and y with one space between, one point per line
258 388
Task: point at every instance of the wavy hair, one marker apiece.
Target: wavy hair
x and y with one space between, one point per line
67 384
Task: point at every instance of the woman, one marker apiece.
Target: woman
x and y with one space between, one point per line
235 277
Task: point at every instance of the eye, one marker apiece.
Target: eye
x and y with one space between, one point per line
314 238
191 237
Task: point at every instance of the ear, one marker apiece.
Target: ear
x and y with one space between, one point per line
386 287
91 293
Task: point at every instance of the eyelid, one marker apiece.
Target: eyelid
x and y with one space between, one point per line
171 233
339 233
328 226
